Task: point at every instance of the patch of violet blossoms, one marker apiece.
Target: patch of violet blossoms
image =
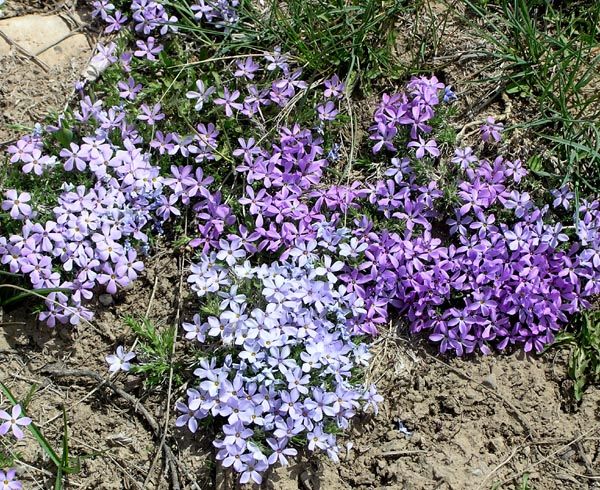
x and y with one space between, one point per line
284 358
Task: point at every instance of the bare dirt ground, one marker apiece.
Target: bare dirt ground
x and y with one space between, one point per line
478 423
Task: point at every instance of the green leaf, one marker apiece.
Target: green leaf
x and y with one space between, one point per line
64 136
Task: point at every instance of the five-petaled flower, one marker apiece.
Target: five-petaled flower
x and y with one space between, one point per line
14 421
8 480
16 204
119 361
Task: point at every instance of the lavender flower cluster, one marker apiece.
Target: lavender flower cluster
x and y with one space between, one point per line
506 273
283 363
92 231
291 268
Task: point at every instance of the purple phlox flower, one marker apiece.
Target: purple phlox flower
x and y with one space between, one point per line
20 149
252 469
129 90
16 204
228 100
483 224
78 313
515 169
519 201
518 238
112 119
327 111
562 197
447 337
449 95
230 297
281 92
231 251
119 361
334 87
8 480
203 9
246 68
150 115
372 399
195 330
107 248
236 434
293 80
36 162
14 421
93 148
303 252
286 427
148 49
280 451
115 22
317 439
384 135
46 236
464 157
167 207
416 117
491 129
201 96
425 147
199 185
105 54
191 412
247 149
256 201
206 137
482 302
128 266
101 8
165 143
276 60
353 248
329 268
38 267
297 380
74 158
111 279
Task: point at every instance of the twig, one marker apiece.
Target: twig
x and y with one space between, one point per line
56 43
152 295
31 56
574 473
392 454
584 457
137 406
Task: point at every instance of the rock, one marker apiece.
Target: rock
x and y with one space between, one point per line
105 299
48 37
490 381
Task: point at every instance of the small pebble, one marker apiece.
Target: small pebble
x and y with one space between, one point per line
105 299
490 382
